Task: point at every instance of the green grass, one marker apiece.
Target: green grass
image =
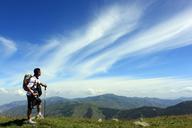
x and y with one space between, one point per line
62 122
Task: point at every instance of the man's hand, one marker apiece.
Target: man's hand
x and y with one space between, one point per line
45 86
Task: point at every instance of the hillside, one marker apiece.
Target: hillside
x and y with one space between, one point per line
85 110
182 108
105 101
61 122
103 106
11 105
123 102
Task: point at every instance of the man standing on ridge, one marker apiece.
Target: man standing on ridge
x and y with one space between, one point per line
33 93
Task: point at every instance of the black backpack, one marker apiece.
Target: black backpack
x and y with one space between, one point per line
26 80
39 90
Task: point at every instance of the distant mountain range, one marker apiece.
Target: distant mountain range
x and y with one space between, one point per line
11 105
182 108
122 102
105 106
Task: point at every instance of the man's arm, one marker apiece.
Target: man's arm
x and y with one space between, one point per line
41 84
31 91
44 85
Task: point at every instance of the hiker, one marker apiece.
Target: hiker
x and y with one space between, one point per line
33 95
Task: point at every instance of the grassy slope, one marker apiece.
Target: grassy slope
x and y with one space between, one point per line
61 122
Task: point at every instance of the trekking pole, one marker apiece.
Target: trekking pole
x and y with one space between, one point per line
44 102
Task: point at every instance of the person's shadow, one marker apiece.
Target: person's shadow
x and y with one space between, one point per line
17 122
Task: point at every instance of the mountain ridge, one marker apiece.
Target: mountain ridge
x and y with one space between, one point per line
103 106
108 100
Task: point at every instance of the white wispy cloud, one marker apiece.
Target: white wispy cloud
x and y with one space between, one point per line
187 89
20 92
3 90
92 91
113 23
170 34
58 55
161 87
10 95
7 46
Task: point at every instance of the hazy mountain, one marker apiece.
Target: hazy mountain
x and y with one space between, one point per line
140 112
122 102
104 106
108 101
182 108
179 109
11 105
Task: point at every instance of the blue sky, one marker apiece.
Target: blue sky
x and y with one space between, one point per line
132 48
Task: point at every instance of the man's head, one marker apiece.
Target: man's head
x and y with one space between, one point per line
37 72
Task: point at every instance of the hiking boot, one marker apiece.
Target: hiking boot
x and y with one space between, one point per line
39 116
31 122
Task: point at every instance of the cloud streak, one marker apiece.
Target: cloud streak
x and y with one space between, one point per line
113 23
96 48
170 34
161 87
7 46
3 90
106 40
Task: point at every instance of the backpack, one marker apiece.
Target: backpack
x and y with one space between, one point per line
26 81
39 90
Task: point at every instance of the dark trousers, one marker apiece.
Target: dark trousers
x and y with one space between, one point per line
32 101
